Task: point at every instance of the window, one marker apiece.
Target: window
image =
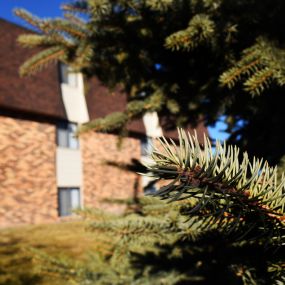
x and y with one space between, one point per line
146 146
149 189
68 76
66 135
68 200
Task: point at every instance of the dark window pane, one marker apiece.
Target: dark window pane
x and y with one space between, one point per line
146 146
149 189
64 202
72 139
64 73
62 138
68 200
66 135
68 76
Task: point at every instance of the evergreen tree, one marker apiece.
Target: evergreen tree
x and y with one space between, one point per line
222 220
219 220
186 59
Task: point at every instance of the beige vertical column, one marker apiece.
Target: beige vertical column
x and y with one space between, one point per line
69 161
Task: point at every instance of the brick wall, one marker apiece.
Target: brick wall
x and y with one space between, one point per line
103 181
28 192
28 176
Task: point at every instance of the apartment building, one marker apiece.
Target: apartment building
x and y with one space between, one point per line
45 171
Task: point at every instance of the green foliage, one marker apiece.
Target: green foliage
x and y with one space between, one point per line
236 194
186 59
21 247
118 120
204 57
38 61
159 5
200 30
260 64
159 244
216 221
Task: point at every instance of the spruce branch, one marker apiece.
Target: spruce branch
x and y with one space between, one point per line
41 59
51 27
114 121
83 54
30 40
259 81
77 31
200 30
118 120
159 5
74 19
28 17
79 6
259 66
99 8
234 194
64 39
94 8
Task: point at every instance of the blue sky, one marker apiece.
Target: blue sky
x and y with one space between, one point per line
42 8
50 8
217 131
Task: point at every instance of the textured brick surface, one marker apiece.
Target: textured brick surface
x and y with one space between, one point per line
27 172
103 181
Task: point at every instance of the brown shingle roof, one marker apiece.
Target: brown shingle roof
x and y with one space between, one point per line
40 93
101 102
